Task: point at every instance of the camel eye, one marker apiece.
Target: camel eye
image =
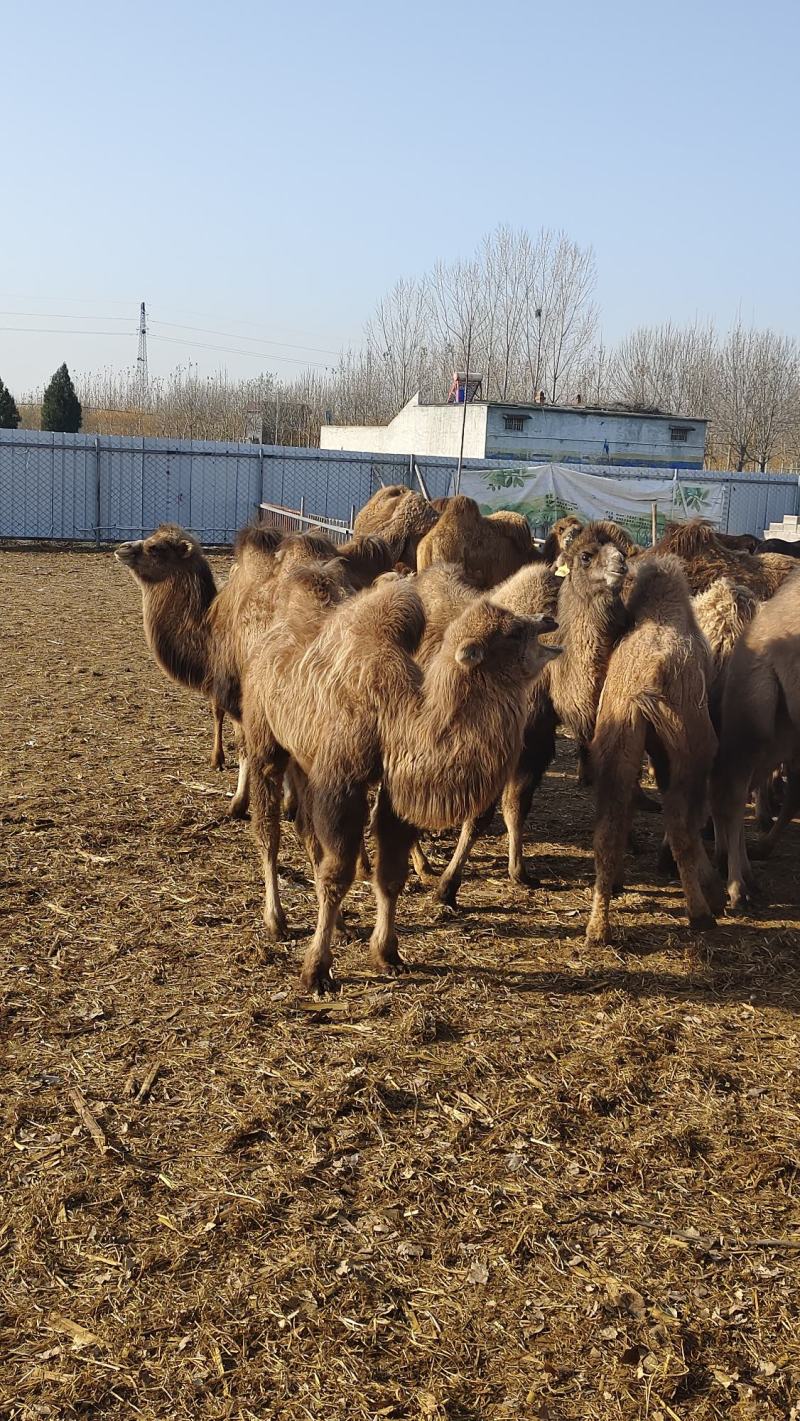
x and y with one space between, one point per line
586 558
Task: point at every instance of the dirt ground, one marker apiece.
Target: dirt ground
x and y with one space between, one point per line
526 1180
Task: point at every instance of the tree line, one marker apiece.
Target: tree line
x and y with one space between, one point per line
522 313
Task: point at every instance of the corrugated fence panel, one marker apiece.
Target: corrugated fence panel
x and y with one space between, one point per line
78 486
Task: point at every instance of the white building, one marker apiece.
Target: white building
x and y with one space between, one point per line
541 433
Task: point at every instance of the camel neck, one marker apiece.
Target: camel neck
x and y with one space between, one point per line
176 625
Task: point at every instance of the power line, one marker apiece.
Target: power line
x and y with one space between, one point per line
229 350
171 340
234 335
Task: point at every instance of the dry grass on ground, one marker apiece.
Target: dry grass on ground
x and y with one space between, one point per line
524 1181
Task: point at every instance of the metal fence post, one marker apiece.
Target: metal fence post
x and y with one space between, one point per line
97 490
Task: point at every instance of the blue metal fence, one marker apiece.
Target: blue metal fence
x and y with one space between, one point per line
83 487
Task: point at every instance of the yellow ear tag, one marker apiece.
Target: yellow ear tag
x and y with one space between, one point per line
562 571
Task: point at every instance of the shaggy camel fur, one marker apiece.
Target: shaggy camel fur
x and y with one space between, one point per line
201 638
591 618
654 701
705 559
401 516
722 612
745 543
488 549
352 708
760 723
560 536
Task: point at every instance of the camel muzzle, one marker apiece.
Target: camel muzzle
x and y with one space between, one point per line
127 553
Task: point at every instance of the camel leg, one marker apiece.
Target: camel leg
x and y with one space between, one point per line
683 780
266 799
515 807
422 867
729 795
616 764
789 807
339 827
240 803
450 881
393 840
218 749
538 749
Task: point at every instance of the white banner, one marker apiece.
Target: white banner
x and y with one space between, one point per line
544 493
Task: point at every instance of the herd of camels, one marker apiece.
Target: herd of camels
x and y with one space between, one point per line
414 678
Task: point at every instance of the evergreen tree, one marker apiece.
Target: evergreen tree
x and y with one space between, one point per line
9 414
61 408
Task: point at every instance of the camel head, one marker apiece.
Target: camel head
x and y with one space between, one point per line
167 553
498 642
566 530
593 563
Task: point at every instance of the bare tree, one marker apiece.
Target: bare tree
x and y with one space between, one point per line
396 335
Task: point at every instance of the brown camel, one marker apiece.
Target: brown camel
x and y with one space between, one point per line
705 559
591 618
401 516
560 536
488 549
201 638
352 708
760 724
654 701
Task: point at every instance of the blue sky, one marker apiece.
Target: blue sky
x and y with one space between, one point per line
283 164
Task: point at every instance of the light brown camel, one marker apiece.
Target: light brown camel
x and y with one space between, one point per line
591 618
760 724
401 516
654 701
488 549
352 708
201 638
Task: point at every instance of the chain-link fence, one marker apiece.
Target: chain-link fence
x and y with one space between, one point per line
104 488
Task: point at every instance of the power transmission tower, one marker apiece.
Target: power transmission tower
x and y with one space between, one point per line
141 359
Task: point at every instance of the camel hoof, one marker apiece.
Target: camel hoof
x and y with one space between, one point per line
646 803
390 966
218 762
447 894
617 889
319 984
276 927
703 923
238 810
595 938
524 878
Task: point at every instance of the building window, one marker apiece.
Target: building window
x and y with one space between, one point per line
514 423
678 433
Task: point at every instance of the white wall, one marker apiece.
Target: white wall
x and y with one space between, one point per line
416 429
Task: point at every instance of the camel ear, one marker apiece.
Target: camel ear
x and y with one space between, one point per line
470 653
185 548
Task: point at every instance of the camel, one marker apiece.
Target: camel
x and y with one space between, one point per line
705 559
401 516
560 536
341 694
488 549
591 619
780 545
760 725
654 701
201 638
